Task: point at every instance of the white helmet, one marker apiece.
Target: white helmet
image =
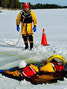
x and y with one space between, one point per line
22 64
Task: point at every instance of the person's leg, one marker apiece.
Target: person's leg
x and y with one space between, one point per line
31 41
25 41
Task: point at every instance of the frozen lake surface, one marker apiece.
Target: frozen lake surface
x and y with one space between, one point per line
54 21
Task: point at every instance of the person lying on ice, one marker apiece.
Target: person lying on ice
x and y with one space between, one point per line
44 73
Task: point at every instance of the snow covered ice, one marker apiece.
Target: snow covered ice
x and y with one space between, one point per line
54 21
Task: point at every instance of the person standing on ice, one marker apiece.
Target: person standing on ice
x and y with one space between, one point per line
26 17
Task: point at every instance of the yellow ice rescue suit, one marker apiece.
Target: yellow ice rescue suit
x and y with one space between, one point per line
26 19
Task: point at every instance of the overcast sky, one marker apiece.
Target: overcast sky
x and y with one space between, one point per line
58 2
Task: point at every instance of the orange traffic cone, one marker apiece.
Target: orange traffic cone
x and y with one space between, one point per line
44 39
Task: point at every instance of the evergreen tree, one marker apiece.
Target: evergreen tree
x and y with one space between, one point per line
6 3
14 4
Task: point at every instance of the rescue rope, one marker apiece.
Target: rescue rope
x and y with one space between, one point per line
23 58
12 44
37 47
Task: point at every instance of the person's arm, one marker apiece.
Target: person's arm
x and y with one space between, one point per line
34 18
18 19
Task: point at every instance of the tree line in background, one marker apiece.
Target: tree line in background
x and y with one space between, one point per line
15 4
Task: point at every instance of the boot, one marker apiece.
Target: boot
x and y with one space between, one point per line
26 46
31 46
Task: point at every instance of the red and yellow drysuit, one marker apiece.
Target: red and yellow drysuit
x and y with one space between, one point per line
36 75
32 70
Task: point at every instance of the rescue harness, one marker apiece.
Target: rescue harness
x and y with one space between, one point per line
26 16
